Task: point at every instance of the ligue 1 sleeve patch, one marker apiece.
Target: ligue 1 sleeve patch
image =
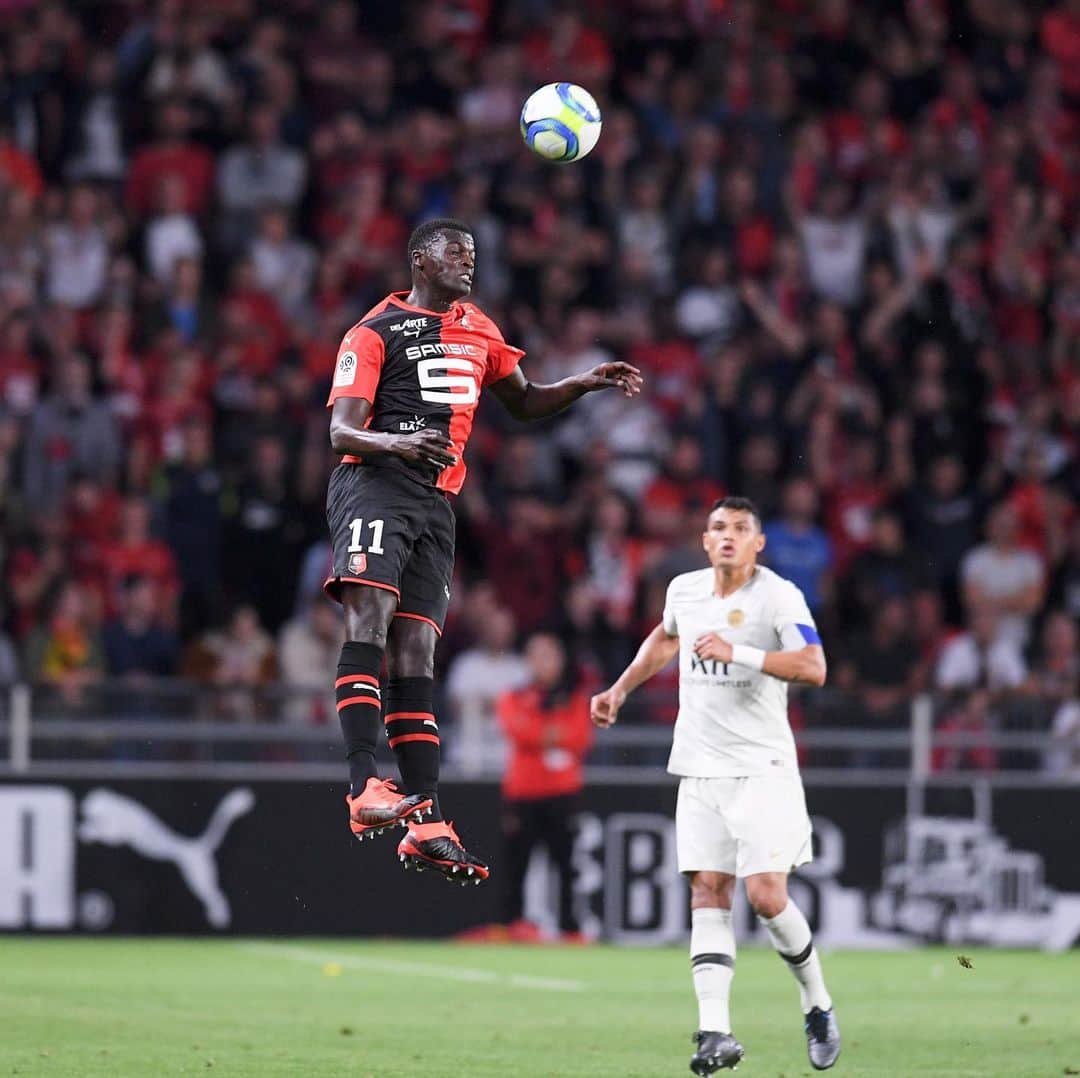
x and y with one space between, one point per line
809 634
345 373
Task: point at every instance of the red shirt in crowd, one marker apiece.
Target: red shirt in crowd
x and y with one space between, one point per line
849 516
586 58
547 746
18 169
1061 39
191 162
151 558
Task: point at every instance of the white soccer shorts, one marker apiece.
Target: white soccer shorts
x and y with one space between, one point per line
742 826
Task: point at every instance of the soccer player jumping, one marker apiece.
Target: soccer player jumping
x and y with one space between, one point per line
406 385
741 633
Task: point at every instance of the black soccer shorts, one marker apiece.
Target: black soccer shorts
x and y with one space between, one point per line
393 532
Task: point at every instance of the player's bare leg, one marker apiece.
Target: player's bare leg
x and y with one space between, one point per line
791 936
375 804
712 959
414 736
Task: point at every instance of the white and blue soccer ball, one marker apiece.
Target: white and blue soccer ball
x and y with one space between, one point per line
560 122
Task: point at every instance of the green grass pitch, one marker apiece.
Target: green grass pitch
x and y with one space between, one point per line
141 1008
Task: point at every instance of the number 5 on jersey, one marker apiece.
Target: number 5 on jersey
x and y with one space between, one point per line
444 387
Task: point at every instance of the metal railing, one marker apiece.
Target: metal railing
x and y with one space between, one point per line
173 729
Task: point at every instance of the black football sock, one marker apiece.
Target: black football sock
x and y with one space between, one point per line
359 708
414 736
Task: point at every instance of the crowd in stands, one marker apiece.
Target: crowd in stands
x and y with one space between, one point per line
840 239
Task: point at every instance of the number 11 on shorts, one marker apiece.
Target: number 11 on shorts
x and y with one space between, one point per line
357 527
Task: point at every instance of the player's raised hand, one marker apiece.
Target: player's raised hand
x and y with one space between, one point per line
426 447
614 376
604 707
712 646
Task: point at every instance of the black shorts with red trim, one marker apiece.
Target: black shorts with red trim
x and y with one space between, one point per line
394 532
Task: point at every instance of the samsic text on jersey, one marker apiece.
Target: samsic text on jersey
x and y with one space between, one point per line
422 370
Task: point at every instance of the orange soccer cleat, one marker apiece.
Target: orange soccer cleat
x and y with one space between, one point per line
437 846
382 806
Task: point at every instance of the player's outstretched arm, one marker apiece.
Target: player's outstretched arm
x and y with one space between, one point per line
525 400
656 651
349 434
805 665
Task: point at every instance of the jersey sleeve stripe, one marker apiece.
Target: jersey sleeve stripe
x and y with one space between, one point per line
809 634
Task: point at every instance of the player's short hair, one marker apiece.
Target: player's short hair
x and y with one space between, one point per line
425 232
739 504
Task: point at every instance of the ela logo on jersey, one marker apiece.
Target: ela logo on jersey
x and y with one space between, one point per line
411 327
418 422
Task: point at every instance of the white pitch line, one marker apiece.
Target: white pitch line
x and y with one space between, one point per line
426 969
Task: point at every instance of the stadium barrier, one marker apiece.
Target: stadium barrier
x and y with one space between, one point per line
152 823
172 728
196 856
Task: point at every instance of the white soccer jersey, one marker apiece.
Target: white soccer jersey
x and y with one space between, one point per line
733 720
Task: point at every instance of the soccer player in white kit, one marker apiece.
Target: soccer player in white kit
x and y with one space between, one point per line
741 633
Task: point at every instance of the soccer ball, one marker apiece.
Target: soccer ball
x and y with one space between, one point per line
560 122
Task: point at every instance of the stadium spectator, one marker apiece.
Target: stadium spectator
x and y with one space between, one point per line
475 679
884 570
881 668
69 431
188 494
134 552
615 559
172 154
284 265
930 629
138 645
18 169
191 68
524 557
171 234
568 44
1063 757
853 491
983 657
683 486
77 253
972 718
1056 666
834 240
65 650
258 174
797 548
943 515
95 125
1004 575
264 535
547 727
238 660
308 649
708 312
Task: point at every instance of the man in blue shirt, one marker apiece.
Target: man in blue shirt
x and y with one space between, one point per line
798 549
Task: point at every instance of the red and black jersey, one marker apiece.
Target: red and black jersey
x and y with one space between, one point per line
422 370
